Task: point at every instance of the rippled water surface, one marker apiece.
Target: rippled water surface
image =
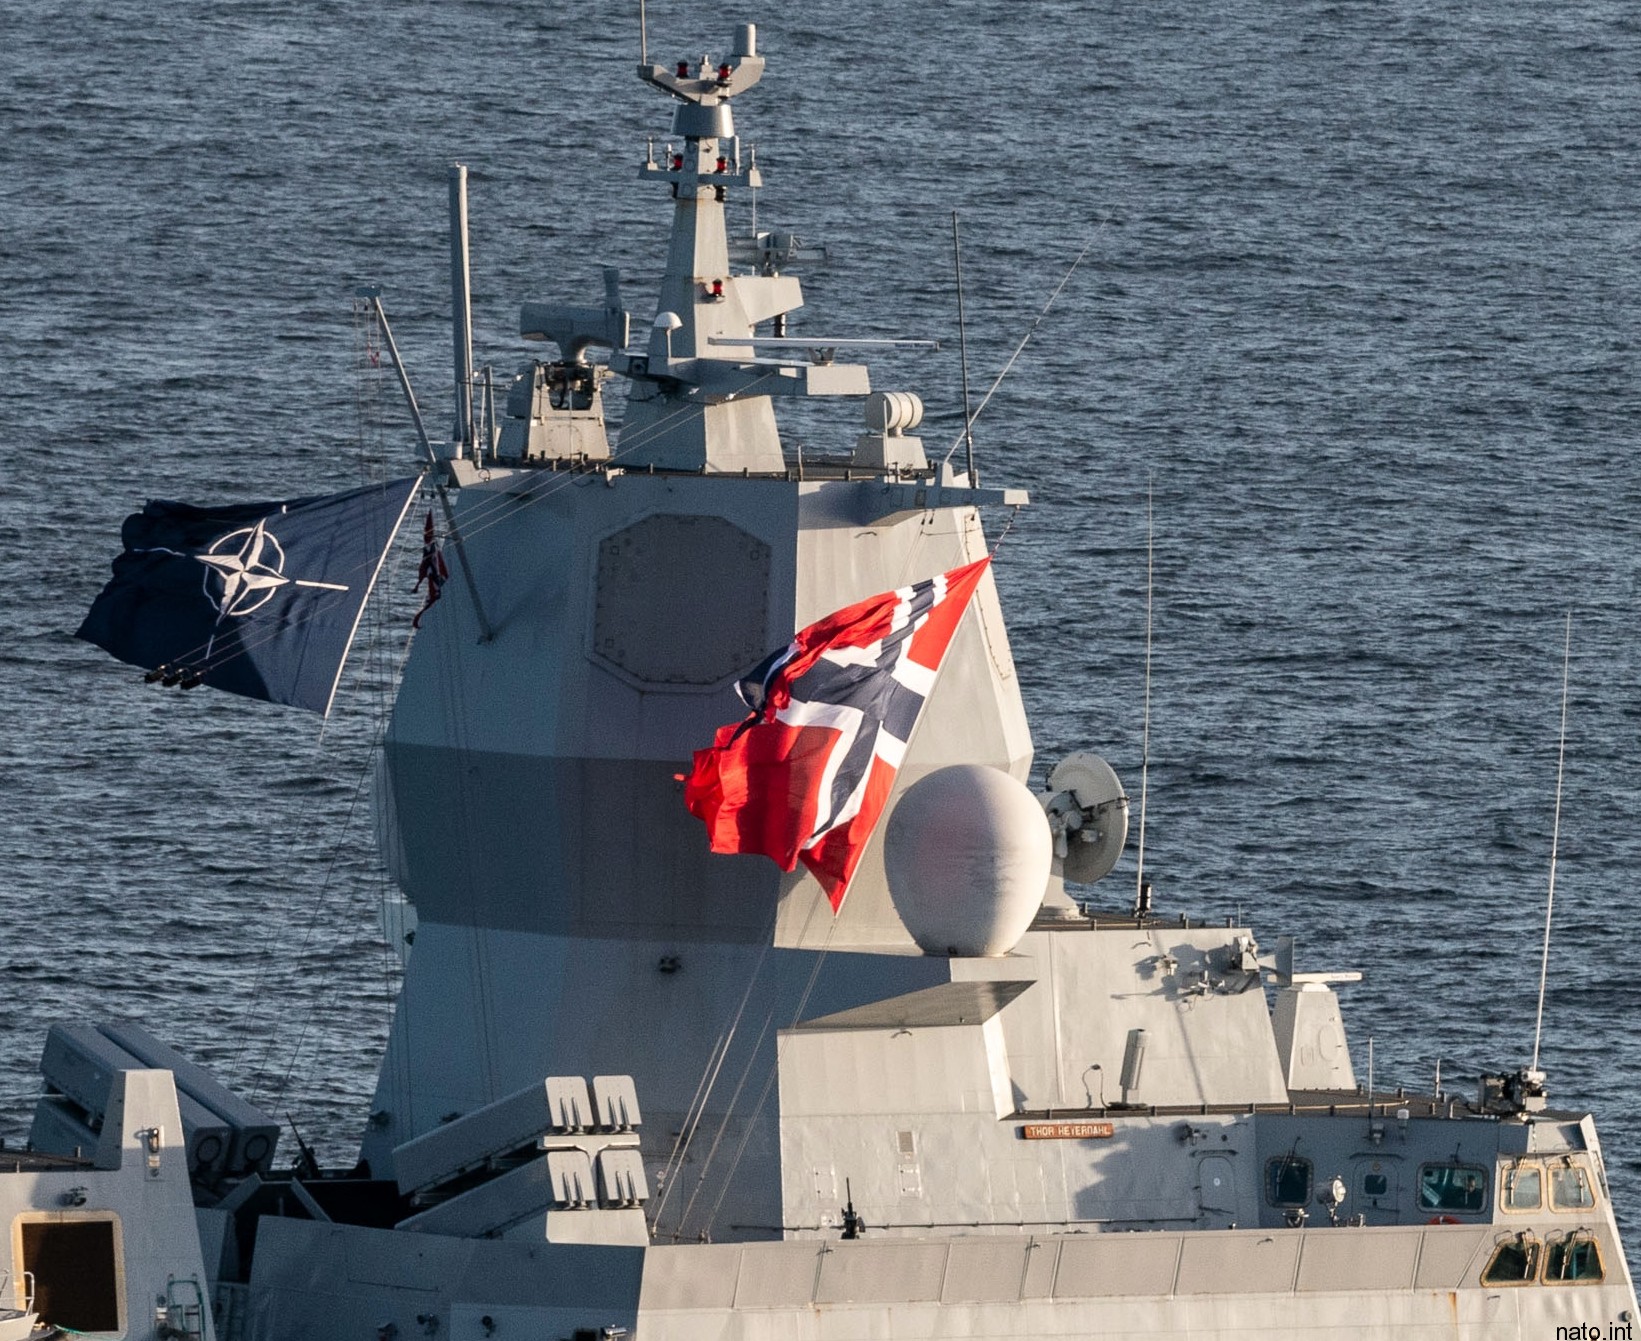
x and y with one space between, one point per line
1356 320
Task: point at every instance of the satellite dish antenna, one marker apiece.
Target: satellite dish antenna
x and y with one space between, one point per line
1088 815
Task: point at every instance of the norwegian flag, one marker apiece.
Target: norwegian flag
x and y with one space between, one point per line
806 776
433 571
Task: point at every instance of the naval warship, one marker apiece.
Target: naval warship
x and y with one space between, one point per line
635 1087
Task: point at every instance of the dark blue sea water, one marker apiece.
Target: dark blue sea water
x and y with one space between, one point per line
1356 322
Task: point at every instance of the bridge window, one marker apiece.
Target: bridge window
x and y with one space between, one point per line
1288 1181
1523 1188
1455 1188
1571 1189
1573 1259
1514 1262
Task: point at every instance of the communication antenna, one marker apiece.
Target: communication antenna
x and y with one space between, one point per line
1024 341
1145 733
461 312
1555 840
643 36
963 352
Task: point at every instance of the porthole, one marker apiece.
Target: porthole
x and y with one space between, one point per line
1523 1187
1514 1262
1575 1259
1571 1188
1288 1181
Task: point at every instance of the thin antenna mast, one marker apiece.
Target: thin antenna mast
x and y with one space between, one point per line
374 297
1019 348
1145 734
963 348
643 36
1555 840
461 310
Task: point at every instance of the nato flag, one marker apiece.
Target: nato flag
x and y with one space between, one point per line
260 599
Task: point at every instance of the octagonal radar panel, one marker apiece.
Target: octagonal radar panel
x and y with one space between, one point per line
1088 815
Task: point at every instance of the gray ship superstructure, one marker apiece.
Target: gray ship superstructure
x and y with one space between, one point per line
634 1088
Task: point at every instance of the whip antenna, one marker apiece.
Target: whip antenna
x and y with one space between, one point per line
963 353
1555 840
1145 731
1020 348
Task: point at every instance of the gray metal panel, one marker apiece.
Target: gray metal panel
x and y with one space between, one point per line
983 1271
1042 1260
881 1273
365 1259
777 1275
313 1280
1449 1253
550 849
698 1276
951 1003
1358 1259
572 813
491 1206
1237 1262
1116 1264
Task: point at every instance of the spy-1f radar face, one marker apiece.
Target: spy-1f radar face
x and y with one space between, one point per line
652 620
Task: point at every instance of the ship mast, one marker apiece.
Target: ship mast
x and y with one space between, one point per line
700 398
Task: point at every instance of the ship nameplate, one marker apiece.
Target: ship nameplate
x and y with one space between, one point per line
1068 1131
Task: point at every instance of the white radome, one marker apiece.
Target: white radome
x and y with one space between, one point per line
967 852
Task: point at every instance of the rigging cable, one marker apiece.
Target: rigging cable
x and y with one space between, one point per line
968 424
774 1073
1555 838
751 1060
1145 730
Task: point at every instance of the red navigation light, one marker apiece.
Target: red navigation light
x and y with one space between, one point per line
723 164
717 290
683 69
724 73
677 162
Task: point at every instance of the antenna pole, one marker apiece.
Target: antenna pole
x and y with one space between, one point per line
1370 1078
963 348
1019 348
1555 840
461 309
374 298
643 36
1145 734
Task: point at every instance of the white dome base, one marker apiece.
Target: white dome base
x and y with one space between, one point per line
967 853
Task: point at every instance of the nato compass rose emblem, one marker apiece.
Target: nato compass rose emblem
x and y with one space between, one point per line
250 564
